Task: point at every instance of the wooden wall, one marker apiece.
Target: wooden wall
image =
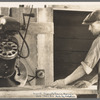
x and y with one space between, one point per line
72 40
39 39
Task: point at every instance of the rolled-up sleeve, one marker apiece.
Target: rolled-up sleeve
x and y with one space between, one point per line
92 57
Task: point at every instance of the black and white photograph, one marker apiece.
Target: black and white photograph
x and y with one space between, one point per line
50 50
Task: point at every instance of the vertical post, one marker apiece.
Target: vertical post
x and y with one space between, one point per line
98 85
45 46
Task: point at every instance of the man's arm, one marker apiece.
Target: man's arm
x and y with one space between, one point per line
94 79
86 84
78 73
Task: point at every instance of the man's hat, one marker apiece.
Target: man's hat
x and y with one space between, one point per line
92 17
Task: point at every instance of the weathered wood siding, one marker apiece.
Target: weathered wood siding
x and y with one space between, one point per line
72 40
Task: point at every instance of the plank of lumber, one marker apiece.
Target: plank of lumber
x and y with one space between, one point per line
31 92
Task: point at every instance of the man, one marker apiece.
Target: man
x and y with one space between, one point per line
93 56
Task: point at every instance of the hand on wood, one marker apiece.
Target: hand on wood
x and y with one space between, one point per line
82 84
59 83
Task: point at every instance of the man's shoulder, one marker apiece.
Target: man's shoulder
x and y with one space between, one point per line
97 40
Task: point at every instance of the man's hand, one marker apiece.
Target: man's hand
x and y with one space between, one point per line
82 84
59 83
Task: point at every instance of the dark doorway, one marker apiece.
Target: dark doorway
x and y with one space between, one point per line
72 40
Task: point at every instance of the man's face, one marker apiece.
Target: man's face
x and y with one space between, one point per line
95 28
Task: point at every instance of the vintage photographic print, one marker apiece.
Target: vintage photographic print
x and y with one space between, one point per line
49 50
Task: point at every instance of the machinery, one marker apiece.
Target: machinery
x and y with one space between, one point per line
12 70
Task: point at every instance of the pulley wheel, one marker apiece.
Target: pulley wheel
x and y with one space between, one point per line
8 50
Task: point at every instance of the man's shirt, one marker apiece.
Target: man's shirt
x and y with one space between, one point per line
92 57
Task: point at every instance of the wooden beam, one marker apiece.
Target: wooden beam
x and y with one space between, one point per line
37 92
45 45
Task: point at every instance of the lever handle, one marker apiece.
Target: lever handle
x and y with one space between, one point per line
26 14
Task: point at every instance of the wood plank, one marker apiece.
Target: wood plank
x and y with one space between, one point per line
74 32
63 18
33 93
70 57
72 44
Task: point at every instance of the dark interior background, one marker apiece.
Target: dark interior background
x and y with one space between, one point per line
72 41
